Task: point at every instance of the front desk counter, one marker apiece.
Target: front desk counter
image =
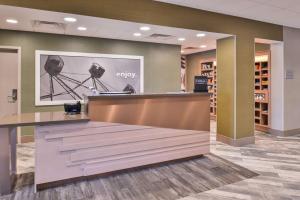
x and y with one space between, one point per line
120 132
188 111
8 139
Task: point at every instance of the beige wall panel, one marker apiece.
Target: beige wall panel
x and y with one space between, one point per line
225 87
244 87
235 117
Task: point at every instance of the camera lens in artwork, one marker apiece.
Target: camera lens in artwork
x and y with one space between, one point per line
96 70
54 65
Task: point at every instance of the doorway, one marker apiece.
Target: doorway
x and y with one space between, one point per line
10 81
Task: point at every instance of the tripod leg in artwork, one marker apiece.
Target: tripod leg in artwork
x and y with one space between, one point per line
65 88
78 83
51 87
94 84
102 85
69 89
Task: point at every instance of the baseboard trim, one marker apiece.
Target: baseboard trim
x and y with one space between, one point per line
237 142
27 138
285 133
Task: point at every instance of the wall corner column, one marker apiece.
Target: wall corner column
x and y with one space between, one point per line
235 114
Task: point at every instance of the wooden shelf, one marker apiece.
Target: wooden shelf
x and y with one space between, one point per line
262 86
262 91
208 68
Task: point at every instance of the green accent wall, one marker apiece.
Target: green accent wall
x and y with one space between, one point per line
161 62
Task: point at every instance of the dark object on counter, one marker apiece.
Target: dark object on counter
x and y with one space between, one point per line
72 108
129 88
200 83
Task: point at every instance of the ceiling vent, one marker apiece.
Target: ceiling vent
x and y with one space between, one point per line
47 26
161 36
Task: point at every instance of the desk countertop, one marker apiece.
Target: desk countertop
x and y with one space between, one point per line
147 95
40 118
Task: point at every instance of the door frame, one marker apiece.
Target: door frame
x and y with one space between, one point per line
19 82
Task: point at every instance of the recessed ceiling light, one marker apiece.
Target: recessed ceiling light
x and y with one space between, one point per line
81 28
145 28
182 51
203 46
201 35
181 39
70 19
12 21
137 34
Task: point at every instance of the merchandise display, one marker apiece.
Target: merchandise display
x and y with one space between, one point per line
209 69
262 90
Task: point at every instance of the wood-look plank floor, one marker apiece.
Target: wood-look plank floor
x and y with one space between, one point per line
166 181
275 158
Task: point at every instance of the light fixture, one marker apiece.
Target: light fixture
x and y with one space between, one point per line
70 19
203 46
182 51
145 28
201 35
81 28
181 39
137 34
12 21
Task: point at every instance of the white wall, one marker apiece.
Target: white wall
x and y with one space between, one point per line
277 86
291 38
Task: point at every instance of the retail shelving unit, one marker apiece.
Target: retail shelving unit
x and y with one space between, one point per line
262 91
262 88
209 69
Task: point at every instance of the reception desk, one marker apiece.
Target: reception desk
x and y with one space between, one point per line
8 139
119 132
188 111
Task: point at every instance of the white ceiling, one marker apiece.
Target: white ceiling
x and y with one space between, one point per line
282 12
104 28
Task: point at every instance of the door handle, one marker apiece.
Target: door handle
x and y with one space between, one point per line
14 96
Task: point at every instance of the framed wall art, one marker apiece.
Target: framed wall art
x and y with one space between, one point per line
65 77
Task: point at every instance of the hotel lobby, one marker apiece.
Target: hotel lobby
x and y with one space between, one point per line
142 99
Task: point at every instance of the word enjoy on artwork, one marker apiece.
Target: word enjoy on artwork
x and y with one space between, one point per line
126 75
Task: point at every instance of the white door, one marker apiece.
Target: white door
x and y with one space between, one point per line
8 82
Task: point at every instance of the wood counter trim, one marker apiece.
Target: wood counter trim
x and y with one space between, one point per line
188 112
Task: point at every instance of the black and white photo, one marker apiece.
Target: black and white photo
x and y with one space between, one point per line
63 77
